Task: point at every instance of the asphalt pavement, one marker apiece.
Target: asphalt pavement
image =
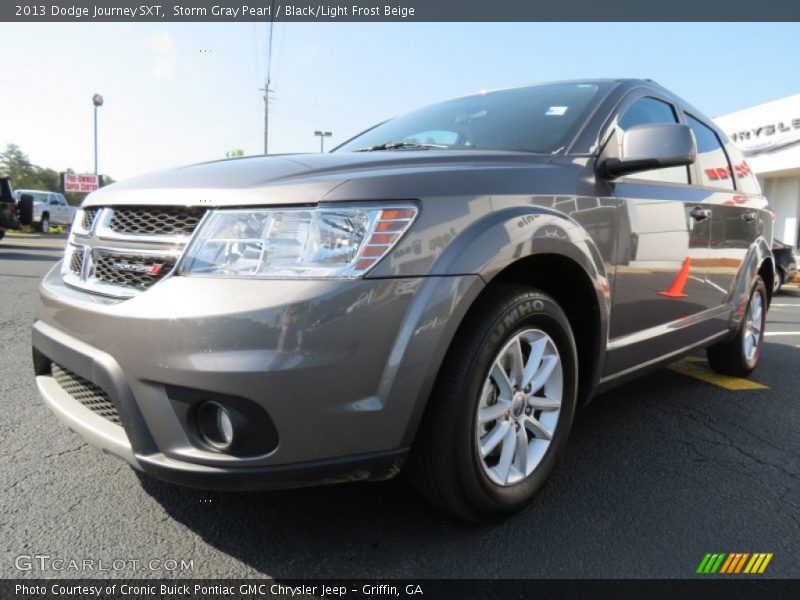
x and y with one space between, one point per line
658 473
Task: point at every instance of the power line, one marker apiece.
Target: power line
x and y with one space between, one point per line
280 51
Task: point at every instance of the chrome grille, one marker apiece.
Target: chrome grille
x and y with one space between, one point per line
76 260
87 393
122 251
88 218
132 271
156 220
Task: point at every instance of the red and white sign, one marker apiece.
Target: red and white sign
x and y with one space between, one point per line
78 182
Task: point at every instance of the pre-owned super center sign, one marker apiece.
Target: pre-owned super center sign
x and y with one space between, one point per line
79 182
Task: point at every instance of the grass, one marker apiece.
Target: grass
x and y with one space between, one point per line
54 229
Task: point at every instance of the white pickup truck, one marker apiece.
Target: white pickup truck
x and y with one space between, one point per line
49 208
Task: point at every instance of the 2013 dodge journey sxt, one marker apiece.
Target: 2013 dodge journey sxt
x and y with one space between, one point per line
437 294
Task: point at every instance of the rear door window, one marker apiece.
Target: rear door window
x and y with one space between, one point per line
712 162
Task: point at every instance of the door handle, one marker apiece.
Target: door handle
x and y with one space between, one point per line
700 214
749 215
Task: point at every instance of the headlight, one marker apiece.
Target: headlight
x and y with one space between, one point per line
295 242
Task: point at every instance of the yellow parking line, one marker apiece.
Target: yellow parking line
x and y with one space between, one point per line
699 369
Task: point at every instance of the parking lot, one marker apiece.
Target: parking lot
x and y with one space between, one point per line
658 473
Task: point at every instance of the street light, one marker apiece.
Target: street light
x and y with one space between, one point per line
97 100
322 135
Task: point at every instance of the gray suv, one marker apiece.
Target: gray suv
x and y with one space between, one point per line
438 294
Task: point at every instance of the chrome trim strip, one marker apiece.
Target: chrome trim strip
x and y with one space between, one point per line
172 252
77 223
659 330
663 357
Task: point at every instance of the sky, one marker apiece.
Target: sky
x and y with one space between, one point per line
178 93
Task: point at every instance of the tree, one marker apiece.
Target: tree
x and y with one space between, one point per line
24 175
14 163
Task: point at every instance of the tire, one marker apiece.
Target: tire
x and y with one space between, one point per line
445 465
44 224
739 356
778 284
25 209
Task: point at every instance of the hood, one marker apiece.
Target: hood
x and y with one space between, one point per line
294 178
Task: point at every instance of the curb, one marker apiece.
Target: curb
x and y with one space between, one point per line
36 236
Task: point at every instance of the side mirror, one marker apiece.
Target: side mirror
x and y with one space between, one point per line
652 146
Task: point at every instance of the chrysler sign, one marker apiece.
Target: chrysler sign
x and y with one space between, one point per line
766 138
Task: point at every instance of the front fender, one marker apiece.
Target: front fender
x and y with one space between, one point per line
501 238
739 294
471 259
429 326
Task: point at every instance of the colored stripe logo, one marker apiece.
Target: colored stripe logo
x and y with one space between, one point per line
731 563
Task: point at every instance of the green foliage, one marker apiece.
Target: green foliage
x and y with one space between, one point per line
14 163
235 153
24 175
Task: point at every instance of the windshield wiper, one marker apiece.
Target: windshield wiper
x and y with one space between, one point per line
400 145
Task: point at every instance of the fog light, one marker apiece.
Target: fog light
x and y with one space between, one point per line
225 426
215 424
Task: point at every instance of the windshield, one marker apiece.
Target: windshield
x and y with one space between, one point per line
541 119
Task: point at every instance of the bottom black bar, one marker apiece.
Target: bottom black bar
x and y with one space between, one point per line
728 588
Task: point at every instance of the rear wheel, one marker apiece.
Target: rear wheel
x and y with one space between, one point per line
778 283
739 356
44 224
501 409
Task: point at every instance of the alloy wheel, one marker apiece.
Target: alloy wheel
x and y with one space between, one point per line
519 407
754 325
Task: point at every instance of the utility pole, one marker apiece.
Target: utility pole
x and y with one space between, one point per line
97 100
322 135
268 81
266 91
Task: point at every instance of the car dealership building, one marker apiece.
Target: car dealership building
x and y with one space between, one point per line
769 136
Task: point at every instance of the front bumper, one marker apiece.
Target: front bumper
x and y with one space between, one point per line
341 368
112 439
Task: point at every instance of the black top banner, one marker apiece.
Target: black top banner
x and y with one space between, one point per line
399 10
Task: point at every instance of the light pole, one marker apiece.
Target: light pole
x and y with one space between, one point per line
322 135
97 100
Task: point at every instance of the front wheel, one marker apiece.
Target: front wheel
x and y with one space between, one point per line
502 407
739 356
778 283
